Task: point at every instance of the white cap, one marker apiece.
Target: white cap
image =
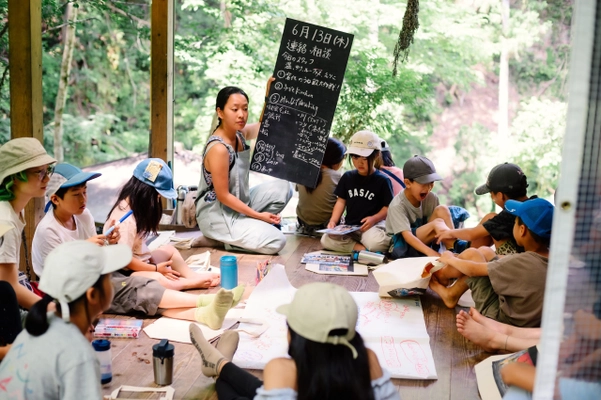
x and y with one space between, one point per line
73 267
319 308
363 143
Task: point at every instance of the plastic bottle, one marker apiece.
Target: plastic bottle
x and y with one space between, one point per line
103 352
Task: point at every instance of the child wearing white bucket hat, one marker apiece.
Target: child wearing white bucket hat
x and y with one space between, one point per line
51 358
25 169
328 357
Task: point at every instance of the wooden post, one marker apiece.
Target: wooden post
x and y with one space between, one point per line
25 63
161 80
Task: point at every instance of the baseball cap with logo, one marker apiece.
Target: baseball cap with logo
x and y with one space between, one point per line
504 178
363 143
66 176
319 308
156 173
421 170
71 268
20 154
537 215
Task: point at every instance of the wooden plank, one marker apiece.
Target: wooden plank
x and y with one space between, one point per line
454 357
25 67
161 80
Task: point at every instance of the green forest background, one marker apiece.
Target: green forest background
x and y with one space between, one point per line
443 102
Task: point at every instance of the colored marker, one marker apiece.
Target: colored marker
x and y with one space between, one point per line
123 218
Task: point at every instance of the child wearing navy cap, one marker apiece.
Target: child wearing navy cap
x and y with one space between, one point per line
509 289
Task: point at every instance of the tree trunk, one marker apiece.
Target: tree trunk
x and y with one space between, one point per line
503 129
61 95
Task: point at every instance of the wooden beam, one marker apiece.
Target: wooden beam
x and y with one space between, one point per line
25 67
161 80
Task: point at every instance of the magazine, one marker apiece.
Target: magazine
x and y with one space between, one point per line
332 264
340 229
488 372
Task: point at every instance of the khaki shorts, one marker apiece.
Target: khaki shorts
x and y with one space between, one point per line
486 299
135 293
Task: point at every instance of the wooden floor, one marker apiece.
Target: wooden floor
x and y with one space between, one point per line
454 357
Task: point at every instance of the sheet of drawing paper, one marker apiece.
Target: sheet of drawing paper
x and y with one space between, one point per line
393 328
254 352
177 330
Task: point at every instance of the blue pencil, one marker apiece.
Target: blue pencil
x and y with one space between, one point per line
123 218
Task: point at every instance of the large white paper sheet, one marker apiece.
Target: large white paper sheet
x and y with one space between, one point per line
394 329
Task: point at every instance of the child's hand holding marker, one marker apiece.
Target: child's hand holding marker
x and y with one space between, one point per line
112 235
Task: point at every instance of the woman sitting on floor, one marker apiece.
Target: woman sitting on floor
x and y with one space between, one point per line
227 210
328 358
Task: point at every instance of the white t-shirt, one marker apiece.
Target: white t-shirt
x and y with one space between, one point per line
60 364
10 243
50 233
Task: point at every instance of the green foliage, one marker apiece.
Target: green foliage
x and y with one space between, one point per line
475 149
537 138
107 114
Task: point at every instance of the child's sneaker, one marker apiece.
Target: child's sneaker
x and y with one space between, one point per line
460 245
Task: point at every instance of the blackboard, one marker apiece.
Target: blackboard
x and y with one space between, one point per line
300 107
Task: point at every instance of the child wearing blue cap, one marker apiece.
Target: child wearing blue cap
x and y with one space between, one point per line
70 220
152 179
508 289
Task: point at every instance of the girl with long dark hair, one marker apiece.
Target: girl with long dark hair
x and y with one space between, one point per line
328 358
152 179
227 210
52 358
315 205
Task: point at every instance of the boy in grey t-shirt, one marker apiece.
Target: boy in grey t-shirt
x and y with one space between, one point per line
415 216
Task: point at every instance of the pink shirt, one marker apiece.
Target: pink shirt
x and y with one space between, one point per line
396 187
128 229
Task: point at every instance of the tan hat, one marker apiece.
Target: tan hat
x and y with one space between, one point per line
319 308
363 143
20 154
71 268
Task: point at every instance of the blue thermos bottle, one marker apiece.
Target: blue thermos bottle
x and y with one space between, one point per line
229 272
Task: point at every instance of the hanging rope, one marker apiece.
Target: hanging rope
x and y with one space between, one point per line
410 25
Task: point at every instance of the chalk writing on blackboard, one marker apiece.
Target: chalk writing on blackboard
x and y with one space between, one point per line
301 103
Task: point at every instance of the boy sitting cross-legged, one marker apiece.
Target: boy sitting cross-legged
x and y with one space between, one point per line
415 216
508 289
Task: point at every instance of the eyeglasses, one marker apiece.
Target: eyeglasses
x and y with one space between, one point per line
44 173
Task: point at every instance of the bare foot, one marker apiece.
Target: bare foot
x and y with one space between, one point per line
441 277
488 322
447 295
476 333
